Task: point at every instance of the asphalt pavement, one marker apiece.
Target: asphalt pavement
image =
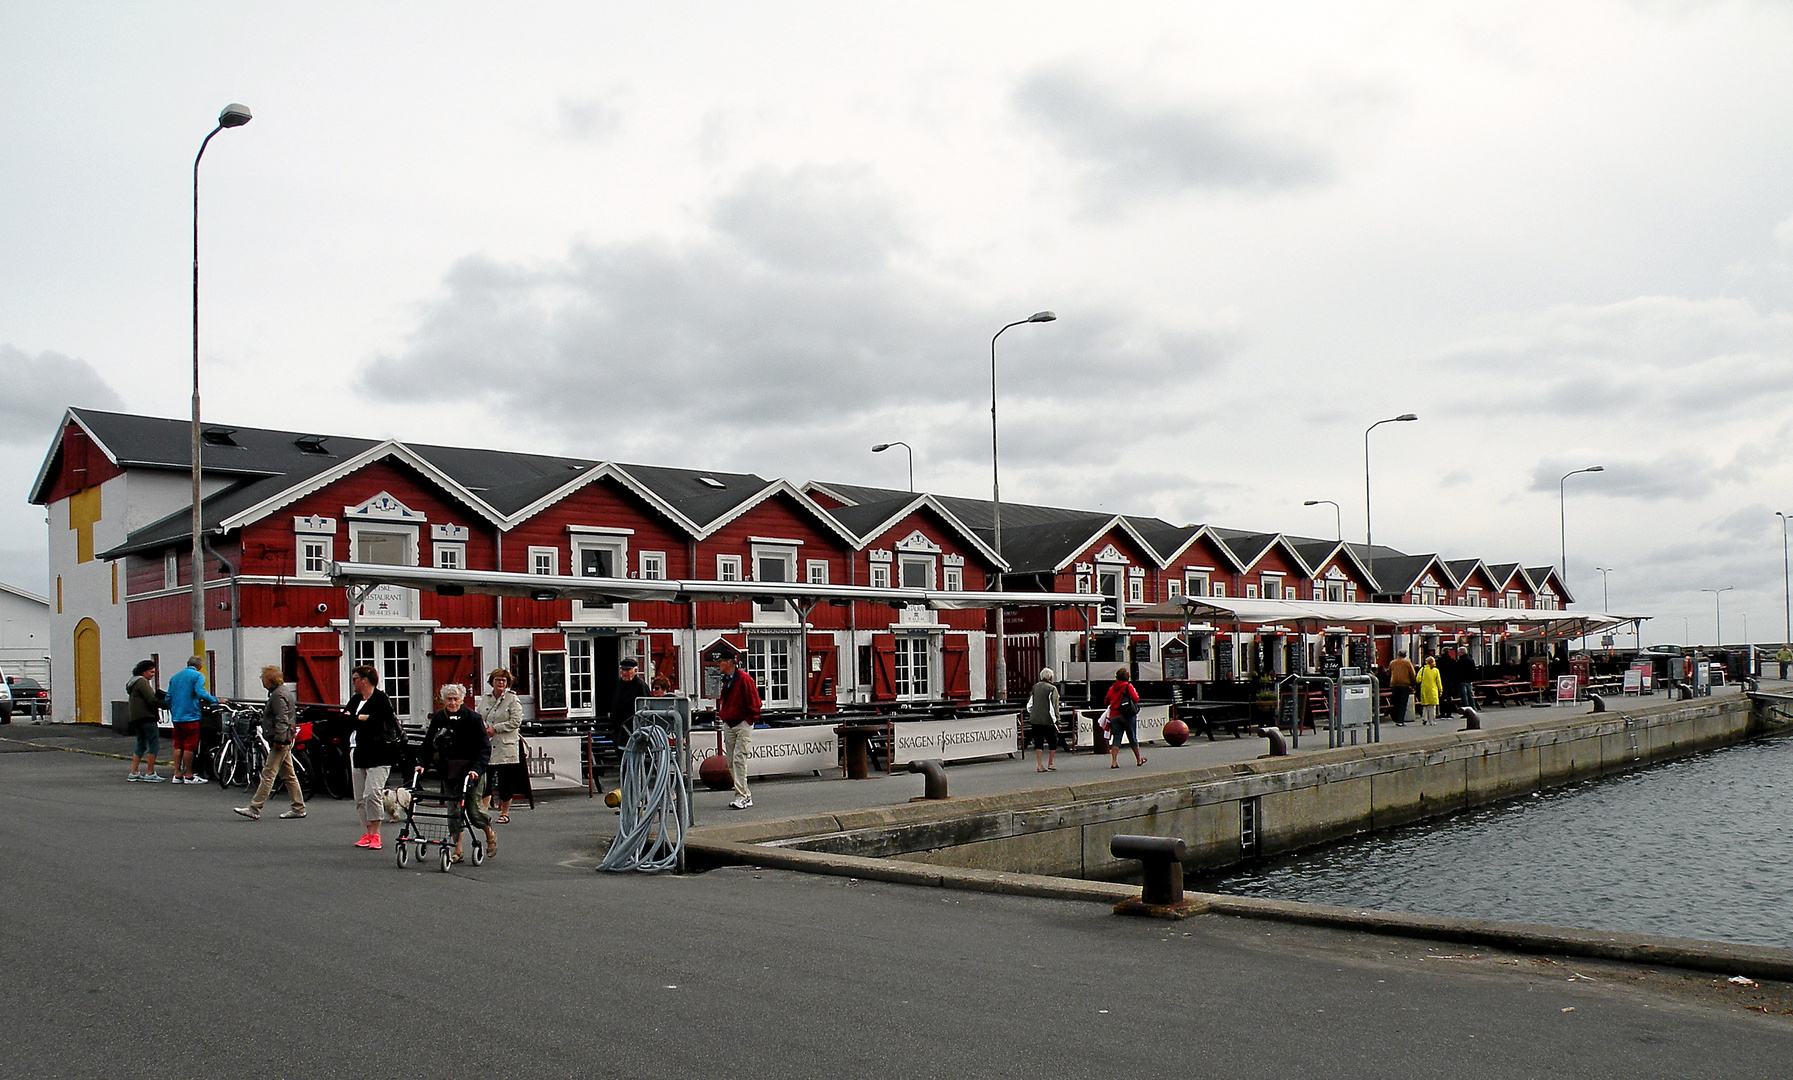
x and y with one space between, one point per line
148 931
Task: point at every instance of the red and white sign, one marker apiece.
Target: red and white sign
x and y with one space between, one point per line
954 740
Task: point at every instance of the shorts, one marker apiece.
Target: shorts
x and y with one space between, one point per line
1042 737
509 781
1123 729
186 737
149 738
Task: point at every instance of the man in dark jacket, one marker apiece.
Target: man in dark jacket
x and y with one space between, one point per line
279 725
629 686
738 708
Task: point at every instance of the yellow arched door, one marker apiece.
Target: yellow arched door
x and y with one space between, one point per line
87 673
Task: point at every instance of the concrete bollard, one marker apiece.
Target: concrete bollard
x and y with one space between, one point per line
1162 860
933 778
1472 720
1279 746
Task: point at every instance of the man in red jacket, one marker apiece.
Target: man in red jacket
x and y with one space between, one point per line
738 707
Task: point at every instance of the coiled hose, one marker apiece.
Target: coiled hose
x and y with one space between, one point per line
651 833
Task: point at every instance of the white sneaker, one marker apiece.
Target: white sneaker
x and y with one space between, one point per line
741 803
177 780
249 812
195 780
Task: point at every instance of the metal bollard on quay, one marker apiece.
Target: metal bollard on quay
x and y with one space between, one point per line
1161 895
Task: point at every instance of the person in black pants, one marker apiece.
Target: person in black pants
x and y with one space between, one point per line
456 743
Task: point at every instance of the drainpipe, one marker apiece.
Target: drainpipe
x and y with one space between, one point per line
236 629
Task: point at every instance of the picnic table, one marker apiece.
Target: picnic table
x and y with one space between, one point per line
1507 691
1205 716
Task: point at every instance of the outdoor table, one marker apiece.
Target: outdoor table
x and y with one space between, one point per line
856 741
1200 709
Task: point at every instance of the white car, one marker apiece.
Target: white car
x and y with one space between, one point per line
5 700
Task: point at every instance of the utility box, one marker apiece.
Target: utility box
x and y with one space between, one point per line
1354 712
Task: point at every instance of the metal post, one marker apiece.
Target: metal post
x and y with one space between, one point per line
1002 666
1562 509
1368 536
1786 578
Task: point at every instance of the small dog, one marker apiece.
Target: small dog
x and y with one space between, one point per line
396 801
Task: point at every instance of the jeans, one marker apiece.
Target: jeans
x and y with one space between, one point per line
1122 729
737 742
149 738
279 764
1466 692
1397 706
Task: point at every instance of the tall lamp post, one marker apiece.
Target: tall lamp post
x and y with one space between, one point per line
1786 579
883 446
1368 537
1718 624
232 116
1562 521
1002 668
1338 522
1605 605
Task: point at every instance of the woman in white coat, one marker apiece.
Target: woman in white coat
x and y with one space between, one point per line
503 715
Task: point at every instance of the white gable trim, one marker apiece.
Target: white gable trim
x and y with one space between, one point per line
383 507
386 449
591 475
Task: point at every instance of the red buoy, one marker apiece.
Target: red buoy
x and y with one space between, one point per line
714 773
1176 732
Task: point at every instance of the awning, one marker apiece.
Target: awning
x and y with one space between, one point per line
448 582
1519 623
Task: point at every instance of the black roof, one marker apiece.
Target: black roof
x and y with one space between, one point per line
1397 573
701 495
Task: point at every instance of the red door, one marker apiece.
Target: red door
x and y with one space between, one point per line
822 668
455 659
883 667
955 667
319 675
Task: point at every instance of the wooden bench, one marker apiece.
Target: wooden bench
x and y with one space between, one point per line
1204 717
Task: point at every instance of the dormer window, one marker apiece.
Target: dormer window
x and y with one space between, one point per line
311 444
218 436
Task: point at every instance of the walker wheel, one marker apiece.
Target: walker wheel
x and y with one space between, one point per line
404 854
479 852
447 856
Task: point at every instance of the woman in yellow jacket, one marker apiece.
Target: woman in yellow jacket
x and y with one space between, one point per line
1431 688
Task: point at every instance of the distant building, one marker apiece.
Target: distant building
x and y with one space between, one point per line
24 634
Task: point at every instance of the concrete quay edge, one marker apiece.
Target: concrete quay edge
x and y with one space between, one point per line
1724 958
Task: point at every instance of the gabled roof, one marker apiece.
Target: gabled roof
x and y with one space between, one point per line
706 497
1317 553
868 521
24 595
1541 576
1397 574
1461 570
1245 547
772 490
1173 541
855 494
1502 574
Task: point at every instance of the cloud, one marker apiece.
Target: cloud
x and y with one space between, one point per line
1129 148
1783 234
792 313
38 389
591 120
1676 475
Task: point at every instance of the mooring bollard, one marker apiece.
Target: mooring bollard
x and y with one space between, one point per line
1472 720
1162 860
1279 746
1599 702
933 777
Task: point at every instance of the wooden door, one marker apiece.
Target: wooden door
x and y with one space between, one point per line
88 696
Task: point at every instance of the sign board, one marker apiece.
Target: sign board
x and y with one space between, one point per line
1634 681
1175 657
954 740
1151 721
1223 658
778 750
551 681
555 762
1567 687
1142 652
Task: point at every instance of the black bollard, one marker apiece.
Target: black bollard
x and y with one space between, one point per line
1599 702
1279 746
1472 720
1162 860
933 778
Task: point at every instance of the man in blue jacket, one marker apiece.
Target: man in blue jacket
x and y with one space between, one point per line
185 691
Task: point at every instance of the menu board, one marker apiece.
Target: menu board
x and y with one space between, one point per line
551 682
1223 658
1175 657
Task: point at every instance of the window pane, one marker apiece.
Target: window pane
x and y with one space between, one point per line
386 549
915 574
579 674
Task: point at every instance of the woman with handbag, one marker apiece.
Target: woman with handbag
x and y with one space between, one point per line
1042 721
503 715
1123 718
377 745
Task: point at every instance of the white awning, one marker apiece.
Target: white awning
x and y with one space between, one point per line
1515 622
549 587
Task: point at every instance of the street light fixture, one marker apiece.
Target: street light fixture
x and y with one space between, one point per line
1605 605
232 116
1562 521
883 446
1718 625
1368 537
1338 522
1002 687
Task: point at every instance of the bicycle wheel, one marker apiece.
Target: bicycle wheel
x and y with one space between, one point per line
229 761
302 769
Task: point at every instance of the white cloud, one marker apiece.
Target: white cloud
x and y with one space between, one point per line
38 388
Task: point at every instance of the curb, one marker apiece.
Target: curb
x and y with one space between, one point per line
65 749
1755 961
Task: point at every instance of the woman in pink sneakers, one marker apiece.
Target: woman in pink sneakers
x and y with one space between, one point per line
378 743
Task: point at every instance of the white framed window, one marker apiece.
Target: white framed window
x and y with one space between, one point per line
579 676
769 662
774 565
652 565
171 569
1251 592
728 568
314 558
1428 596
1219 588
910 669
815 571
1195 583
1319 590
1272 586
917 571
955 579
544 561
601 557
1136 590
1173 589
392 657
1083 585
450 556
1350 593
880 575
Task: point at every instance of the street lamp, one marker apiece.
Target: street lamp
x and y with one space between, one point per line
1338 523
1718 625
1786 580
1002 675
1562 521
1605 605
1401 419
883 446
234 115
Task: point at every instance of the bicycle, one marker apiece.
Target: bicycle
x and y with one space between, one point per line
242 751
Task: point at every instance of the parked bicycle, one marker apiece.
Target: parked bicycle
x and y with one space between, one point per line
242 750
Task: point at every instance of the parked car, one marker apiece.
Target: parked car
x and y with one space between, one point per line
29 697
5 702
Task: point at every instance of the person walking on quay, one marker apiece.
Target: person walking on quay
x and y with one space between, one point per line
503 716
1042 721
377 744
461 750
1465 675
141 715
280 723
738 708
629 686
185 692
1431 687
1784 657
1402 680
1123 718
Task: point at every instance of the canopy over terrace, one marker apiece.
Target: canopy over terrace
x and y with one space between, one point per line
1515 623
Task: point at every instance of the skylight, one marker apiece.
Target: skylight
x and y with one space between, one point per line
711 481
311 444
218 436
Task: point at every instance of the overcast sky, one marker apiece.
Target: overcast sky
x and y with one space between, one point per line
764 237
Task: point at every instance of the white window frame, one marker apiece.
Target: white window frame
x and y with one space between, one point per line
1173 589
651 565
303 547
779 611
171 569
759 665
1083 583
909 680
926 562
955 579
581 678
449 556
880 575
1195 582
407 606
1136 590
598 611
815 571
1251 592
1217 588
1270 586
728 568
544 561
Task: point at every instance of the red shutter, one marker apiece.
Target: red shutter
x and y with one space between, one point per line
883 667
455 659
549 642
955 660
665 653
320 676
824 681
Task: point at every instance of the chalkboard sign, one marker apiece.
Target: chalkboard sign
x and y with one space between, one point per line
1286 705
1360 654
1223 658
1329 665
1175 657
1142 652
551 682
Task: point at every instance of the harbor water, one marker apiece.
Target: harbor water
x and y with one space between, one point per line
1700 848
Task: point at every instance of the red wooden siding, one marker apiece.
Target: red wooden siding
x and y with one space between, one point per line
79 465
